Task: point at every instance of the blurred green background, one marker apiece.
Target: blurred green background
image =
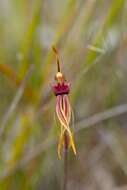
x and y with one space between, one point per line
91 36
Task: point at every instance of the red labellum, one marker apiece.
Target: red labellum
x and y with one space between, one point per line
61 89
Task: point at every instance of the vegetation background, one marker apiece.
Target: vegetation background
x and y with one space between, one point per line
91 37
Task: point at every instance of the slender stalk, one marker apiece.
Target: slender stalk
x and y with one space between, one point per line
57 58
65 178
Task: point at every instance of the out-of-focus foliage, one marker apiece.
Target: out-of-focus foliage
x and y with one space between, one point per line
91 37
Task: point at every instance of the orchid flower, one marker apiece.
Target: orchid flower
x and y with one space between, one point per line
63 109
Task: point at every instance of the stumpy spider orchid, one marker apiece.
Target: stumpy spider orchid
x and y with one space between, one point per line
61 90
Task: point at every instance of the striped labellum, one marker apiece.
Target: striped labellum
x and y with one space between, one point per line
63 109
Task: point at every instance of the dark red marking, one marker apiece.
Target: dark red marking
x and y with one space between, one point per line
61 89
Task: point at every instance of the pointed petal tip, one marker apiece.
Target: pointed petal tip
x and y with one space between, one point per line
54 49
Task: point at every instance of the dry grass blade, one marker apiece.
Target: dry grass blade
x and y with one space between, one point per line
15 101
100 117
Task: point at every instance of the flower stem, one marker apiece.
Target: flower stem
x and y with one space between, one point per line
65 179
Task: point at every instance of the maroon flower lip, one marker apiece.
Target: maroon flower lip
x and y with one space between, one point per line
61 89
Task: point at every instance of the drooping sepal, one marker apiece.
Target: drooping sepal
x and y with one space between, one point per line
63 111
